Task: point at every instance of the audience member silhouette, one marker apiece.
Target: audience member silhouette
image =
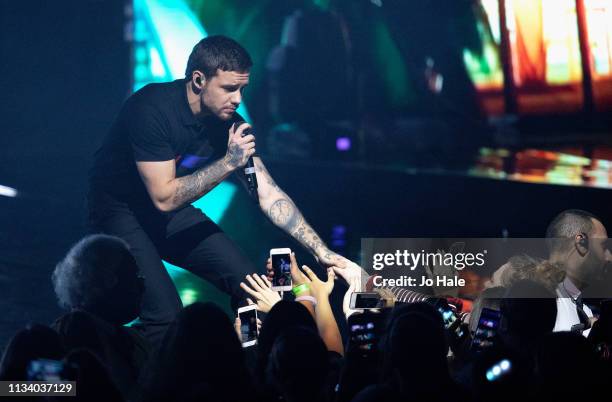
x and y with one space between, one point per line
34 342
200 358
98 283
92 378
284 315
528 313
567 369
298 366
414 364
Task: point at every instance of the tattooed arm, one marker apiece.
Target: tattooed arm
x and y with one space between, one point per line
282 211
169 192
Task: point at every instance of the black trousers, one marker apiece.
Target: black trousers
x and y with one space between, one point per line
189 240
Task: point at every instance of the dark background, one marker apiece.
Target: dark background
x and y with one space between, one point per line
65 72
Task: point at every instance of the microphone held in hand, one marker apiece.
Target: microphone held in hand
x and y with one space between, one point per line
249 168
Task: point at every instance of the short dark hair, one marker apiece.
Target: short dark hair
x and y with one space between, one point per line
79 279
217 53
566 225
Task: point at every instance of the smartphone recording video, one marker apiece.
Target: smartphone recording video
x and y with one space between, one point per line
281 264
248 325
365 300
364 332
45 370
486 331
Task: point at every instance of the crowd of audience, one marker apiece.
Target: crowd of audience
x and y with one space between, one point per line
547 345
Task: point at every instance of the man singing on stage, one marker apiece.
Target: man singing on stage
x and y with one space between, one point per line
171 144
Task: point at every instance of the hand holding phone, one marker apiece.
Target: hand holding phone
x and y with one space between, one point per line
248 325
281 266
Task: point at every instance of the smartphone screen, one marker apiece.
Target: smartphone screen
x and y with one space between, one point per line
248 327
45 370
364 332
448 316
363 335
486 331
365 300
281 263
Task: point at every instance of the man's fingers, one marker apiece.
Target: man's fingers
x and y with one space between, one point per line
355 283
246 139
249 301
248 146
342 272
239 127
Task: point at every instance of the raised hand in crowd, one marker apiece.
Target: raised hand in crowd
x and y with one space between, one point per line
318 289
323 314
261 290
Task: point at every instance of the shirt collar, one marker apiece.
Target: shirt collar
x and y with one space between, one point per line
568 287
187 117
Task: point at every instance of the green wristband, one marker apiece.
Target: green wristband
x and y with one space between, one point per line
299 289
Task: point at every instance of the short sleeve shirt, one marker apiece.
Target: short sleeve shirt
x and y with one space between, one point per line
155 124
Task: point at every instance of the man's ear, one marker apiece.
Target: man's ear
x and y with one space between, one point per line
581 243
198 80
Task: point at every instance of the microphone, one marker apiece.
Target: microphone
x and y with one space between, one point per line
249 168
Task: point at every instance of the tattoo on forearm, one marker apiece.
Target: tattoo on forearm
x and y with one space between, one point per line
261 169
192 187
307 236
285 215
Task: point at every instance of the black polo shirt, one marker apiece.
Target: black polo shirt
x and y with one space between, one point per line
154 124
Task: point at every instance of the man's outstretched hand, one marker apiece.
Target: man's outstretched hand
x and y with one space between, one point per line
353 274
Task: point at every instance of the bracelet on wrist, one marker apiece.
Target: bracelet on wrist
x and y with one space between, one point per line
299 289
307 298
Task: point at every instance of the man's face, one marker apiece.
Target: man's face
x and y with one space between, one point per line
222 94
599 253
